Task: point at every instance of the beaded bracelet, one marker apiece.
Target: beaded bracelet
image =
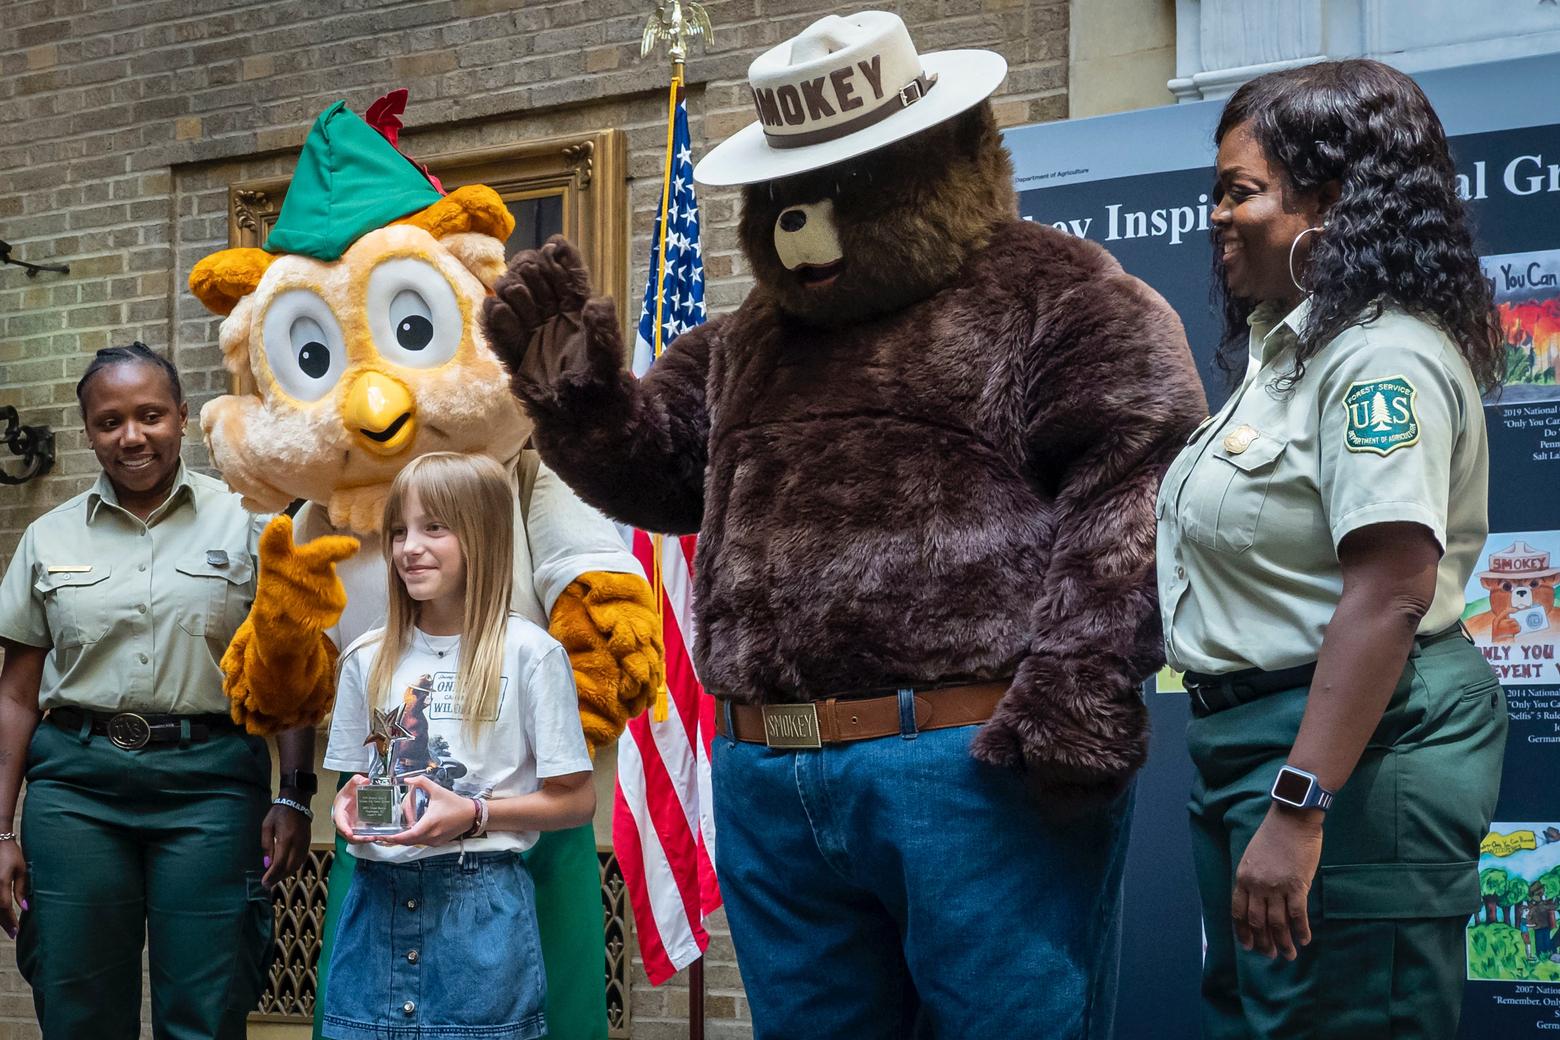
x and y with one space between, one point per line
308 813
7 835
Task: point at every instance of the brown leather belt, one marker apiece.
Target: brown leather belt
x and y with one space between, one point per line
840 720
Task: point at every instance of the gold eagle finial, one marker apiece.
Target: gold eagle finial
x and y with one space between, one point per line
676 21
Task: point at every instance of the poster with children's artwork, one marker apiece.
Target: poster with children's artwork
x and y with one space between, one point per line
1514 935
1527 295
1511 607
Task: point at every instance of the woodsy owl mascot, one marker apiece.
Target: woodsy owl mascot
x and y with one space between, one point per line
359 326
921 457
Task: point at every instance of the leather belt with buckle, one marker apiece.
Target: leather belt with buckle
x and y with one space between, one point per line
131 730
840 720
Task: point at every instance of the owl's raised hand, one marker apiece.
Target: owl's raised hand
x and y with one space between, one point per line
544 326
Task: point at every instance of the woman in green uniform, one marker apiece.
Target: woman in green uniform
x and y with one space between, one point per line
1315 537
148 816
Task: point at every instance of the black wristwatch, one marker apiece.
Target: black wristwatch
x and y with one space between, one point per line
300 780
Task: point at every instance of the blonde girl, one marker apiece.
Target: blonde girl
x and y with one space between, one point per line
438 934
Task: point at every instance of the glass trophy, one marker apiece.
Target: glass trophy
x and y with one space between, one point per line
379 801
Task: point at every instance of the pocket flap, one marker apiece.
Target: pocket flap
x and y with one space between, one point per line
1384 891
236 569
48 580
1258 453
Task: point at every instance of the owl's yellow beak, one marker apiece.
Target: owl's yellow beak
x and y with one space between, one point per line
379 410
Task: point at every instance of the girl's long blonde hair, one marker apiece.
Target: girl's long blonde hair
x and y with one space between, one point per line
473 497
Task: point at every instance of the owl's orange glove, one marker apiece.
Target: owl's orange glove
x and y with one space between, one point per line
279 670
608 624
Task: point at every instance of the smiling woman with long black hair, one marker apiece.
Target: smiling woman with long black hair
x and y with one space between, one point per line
148 814
1315 537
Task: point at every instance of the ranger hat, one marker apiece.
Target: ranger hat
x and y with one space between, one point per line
844 87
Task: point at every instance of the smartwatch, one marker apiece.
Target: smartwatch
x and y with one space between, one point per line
300 780
1300 790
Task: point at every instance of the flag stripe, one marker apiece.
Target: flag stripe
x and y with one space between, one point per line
666 942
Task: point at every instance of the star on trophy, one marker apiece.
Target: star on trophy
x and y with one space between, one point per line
379 800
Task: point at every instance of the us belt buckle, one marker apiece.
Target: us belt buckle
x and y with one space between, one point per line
791 726
129 731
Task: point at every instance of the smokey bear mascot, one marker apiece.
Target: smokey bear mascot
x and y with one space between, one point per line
921 458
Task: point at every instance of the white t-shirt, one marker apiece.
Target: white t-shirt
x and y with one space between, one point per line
535 735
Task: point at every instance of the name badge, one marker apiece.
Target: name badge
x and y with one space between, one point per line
71 568
791 726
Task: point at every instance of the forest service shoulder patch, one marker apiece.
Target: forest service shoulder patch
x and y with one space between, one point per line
1380 415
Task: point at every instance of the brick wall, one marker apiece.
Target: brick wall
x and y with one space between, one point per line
122 123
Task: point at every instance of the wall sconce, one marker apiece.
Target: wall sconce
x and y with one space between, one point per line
31 269
35 444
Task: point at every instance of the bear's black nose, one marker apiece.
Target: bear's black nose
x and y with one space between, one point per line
793 220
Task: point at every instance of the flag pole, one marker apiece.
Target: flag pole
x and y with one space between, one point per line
657 588
696 969
676 22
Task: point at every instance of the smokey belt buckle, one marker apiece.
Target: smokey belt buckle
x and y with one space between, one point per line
791 726
129 731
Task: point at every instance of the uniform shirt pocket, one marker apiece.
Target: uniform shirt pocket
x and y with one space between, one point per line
76 609
1229 490
215 593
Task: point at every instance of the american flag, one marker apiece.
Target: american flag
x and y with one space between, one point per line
663 822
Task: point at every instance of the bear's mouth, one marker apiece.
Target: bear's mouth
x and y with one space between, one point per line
817 276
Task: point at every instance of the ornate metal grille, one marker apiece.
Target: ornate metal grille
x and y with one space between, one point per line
615 915
299 904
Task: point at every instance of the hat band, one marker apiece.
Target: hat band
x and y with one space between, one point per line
906 96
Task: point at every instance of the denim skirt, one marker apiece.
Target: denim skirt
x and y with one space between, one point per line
441 948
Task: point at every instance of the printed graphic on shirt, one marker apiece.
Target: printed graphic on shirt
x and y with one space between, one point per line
1527 296
1381 415
1514 935
432 697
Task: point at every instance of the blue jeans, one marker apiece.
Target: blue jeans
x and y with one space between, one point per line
897 887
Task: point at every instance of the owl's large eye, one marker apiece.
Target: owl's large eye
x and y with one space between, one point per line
303 344
412 313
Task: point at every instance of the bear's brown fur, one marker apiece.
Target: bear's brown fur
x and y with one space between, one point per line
941 467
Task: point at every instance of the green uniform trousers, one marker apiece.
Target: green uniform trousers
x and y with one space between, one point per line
564 869
158 847
1399 868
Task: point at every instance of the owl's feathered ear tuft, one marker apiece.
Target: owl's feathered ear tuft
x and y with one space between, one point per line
475 207
482 255
222 279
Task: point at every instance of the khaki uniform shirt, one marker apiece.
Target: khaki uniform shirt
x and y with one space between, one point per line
1386 425
137 615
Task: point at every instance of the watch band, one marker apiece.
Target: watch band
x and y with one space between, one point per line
300 780
1300 789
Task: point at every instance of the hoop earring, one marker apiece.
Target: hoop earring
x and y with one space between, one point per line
1293 245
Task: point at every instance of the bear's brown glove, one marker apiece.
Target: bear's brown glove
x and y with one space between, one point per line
1078 732
547 330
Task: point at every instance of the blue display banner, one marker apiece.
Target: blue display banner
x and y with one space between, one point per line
1139 184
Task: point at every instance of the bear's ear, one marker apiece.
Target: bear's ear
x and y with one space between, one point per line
222 279
475 207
